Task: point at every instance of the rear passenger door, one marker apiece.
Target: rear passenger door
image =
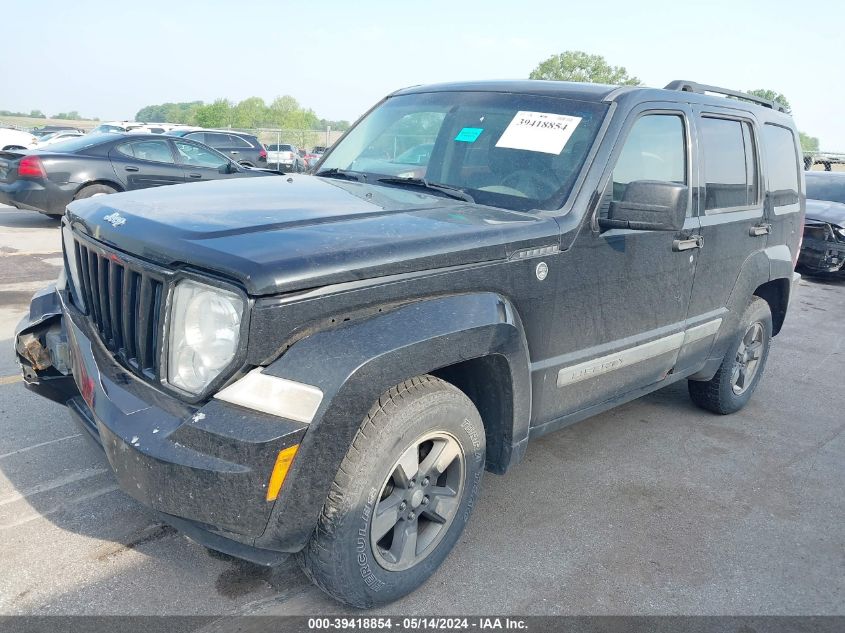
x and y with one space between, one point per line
140 164
730 205
239 149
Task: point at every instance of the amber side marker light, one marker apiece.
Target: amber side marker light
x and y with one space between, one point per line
280 471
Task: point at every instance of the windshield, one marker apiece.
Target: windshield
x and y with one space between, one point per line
514 151
826 187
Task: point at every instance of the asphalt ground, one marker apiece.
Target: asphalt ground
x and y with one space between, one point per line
653 508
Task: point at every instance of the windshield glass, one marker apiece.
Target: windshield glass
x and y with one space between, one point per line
514 151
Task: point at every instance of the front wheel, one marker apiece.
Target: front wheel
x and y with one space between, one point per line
738 375
402 496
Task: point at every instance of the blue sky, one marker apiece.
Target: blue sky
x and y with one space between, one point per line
109 59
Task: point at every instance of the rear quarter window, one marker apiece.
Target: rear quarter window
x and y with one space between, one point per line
783 164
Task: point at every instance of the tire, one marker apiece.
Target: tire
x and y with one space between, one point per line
728 392
827 167
94 190
808 163
344 557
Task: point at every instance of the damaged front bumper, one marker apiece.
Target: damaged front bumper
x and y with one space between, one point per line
821 250
204 467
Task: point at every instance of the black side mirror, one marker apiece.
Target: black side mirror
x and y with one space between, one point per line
649 205
229 168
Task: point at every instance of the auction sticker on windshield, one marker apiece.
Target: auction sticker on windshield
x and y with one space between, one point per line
539 132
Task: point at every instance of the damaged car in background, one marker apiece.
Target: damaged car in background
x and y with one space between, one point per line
823 248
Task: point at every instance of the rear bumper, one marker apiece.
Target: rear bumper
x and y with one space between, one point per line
44 197
203 468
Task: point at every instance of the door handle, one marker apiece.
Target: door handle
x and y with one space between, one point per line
760 229
694 241
131 168
234 151
194 175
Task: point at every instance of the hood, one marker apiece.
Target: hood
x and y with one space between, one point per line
297 232
824 211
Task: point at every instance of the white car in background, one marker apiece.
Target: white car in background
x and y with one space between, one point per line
16 139
135 127
285 156
56 137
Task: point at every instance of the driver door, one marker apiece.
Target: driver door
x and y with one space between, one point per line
623 294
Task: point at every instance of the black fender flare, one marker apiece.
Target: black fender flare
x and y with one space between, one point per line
355 363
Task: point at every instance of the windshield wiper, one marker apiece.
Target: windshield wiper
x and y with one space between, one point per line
453 192
345 174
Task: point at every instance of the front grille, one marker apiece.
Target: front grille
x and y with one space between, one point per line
125 304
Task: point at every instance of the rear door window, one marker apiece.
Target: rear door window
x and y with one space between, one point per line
157 151
217 140
730 165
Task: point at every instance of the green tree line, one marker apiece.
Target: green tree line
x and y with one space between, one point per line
283 112
581 66
38 114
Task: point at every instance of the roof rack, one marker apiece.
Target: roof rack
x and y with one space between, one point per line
691 86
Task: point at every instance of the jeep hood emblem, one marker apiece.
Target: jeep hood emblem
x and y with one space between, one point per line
115 219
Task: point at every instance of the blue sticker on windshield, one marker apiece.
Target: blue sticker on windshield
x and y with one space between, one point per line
469 134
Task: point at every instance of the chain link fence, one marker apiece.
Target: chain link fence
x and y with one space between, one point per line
303 139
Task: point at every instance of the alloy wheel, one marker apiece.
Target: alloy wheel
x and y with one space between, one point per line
418 501
747 358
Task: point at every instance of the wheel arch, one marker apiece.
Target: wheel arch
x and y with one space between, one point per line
776 294
496 406
98 181
464 339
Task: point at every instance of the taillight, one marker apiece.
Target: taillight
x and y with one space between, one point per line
31 167
262 153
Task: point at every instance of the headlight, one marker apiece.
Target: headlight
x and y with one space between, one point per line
70 258
205 326
840 231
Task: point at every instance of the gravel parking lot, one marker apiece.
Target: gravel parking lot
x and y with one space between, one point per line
653 508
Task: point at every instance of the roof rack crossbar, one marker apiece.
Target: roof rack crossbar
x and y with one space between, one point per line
692 86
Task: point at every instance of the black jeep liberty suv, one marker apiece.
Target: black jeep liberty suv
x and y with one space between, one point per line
326 364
